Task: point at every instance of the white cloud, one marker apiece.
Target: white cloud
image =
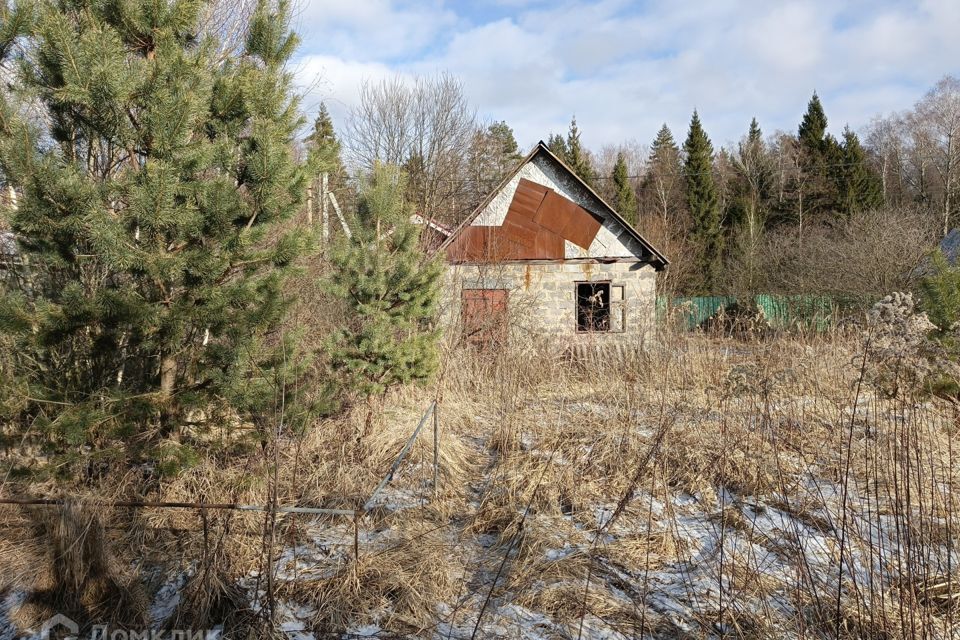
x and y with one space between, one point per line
336 82
625 70
369 30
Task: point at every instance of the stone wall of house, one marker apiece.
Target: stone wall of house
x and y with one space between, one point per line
542 296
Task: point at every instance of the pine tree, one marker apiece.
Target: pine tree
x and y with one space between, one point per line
859 186
504 145
150 192
493 153
626 197
383 278
577 158
703 203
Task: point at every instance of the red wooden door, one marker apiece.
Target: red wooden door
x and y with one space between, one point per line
484 314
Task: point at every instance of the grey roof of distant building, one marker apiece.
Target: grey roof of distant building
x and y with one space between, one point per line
950 246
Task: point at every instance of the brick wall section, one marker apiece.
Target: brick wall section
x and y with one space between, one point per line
542 296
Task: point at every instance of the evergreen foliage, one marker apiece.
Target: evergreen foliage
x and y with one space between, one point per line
703 202
324 157
750 193
150 192
754 133
664 152
813 128
391 290
820 160
557 145
323 145
662 184
492 154
752 181
504 144
576 156
859 187
626 198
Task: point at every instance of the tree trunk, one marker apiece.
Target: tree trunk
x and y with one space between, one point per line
168 376
168 380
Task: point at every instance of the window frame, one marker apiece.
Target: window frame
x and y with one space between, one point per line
617 307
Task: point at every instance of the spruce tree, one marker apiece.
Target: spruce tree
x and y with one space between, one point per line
324 159
664 152
820 158
557 145
750 194
703 202
577 158
323 145
754 133
150 189
753 180
859 186
626 197
813 128
391 290
662 186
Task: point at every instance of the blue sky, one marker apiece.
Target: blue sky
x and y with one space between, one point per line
624 68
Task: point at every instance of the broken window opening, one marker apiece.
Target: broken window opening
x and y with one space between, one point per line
600 307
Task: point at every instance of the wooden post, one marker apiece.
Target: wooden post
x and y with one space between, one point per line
436 447
356 544
310 205
336 208
324 212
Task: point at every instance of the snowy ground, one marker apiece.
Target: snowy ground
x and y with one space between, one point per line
717 564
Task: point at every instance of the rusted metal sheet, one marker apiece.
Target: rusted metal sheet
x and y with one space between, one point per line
521 230
527 199
555 213
470 245
582 228
549 245
568 220
537 223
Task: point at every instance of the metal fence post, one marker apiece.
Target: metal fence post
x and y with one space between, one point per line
436 447
356 544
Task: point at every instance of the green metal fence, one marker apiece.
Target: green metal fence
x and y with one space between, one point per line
783 312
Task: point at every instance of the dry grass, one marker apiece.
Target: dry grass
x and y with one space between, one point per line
699 487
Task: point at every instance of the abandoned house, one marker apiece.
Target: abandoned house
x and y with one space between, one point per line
544 253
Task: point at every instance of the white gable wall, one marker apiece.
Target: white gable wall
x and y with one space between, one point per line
612 240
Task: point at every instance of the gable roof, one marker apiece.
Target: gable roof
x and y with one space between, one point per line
657 259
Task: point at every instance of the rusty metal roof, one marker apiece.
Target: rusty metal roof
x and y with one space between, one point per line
538 221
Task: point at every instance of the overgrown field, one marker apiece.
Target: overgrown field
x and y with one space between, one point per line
789 487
